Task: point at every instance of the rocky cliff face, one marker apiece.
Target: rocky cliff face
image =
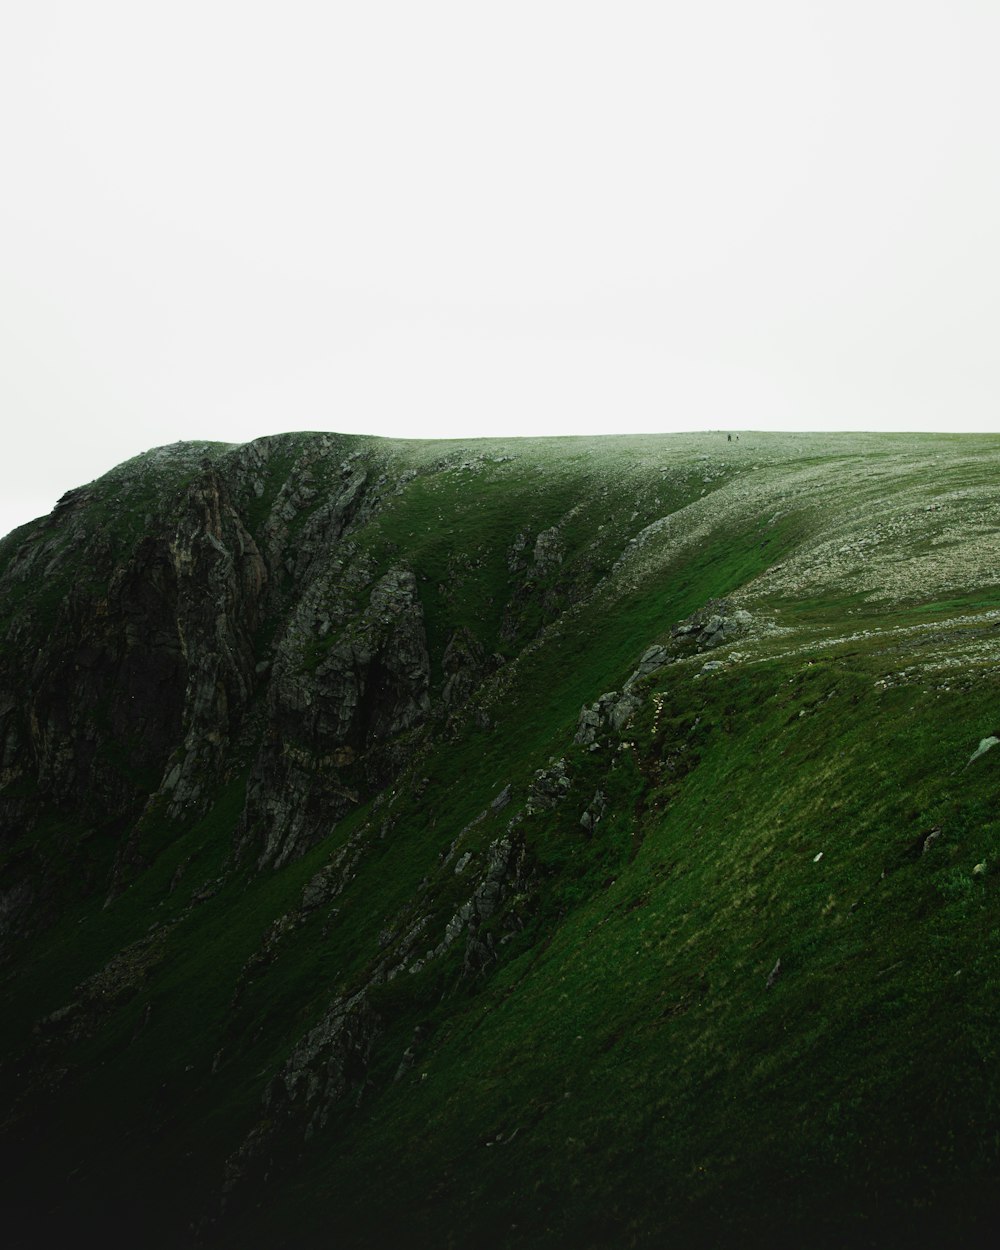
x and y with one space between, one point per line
377 818
341 709
153 659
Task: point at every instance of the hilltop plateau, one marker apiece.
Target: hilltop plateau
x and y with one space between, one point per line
578 842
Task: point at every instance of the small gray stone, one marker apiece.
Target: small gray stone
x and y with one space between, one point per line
986 744
502 799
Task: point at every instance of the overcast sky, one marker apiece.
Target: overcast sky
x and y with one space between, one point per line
220 220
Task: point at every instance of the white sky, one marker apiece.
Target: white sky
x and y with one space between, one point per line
220 220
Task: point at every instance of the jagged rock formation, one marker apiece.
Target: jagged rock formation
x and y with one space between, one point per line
335 720
392 835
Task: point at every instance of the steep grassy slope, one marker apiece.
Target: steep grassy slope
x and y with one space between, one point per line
330 920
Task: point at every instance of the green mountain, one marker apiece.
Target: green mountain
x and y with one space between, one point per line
533 843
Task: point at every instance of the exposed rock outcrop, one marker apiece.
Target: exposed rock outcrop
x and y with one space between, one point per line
464 665
340 707
549 787
714 624
610 714
220 577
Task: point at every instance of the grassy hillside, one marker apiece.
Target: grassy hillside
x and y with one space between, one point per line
736 981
